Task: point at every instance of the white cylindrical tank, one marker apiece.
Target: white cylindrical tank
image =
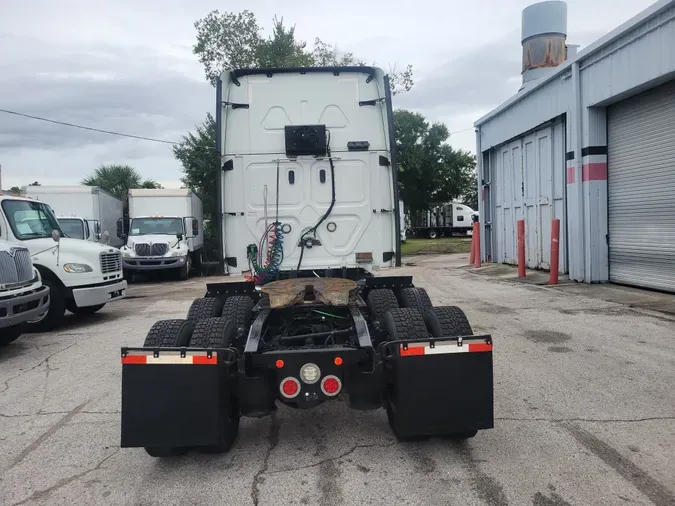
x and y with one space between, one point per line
544 33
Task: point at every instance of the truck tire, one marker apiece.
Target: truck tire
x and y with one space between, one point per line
239 310
405 323
433 234
207 307
416 298
168 334
447 321
184 272
57 309
128 276
10 334
219 333
380 301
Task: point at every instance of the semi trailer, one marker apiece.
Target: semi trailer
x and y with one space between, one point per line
84 212
442 221
309 200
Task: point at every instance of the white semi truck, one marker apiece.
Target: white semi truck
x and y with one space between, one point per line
165 232
443 220
84 212
309 200
81 276
23 297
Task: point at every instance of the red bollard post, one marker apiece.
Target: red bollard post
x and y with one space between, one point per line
521 248
555 251
476 244
472 256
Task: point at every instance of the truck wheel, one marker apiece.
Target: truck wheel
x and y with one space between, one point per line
380 301
433 234
416 298
447 321
168 334
219 333
57 309
184 272
207 307
128 276
10 334
405 323
239 310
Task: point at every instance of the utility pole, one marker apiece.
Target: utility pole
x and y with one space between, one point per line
0 177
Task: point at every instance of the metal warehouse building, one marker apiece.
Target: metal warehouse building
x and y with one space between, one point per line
589 139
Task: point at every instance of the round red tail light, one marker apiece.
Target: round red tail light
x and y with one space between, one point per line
290 387
331 385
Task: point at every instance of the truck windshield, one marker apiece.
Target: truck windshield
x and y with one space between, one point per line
161 226
72 228
30 220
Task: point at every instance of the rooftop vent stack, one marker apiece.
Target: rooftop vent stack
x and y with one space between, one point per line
543 38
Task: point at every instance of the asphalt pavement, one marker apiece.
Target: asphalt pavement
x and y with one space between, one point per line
584 406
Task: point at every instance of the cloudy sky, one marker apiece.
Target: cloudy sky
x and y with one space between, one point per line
127 65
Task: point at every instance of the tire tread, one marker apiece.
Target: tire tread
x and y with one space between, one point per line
380 301
207 307
447 321
169 333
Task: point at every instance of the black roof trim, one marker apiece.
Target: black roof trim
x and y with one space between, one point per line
302 70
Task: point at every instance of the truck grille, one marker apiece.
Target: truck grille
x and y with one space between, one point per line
16 266
111 262
159 249
142 249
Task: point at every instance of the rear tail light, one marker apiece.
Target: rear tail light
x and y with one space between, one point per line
290 387
331 386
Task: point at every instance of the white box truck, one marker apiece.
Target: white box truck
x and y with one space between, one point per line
23 297
84 212
165 231
81 276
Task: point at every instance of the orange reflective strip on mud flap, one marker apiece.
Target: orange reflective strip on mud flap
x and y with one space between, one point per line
171 359
444 348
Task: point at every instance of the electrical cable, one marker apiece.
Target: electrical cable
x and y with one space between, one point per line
330 208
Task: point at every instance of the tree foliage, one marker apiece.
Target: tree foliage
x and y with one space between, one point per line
118 180
430 171
231 40
15 189
196 153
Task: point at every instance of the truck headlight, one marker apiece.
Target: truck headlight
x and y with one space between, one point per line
126 253
177 253
77 268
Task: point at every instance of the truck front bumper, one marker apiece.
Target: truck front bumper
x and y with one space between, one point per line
17 310
101 294
151 264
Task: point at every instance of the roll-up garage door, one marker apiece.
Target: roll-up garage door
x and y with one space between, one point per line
641 182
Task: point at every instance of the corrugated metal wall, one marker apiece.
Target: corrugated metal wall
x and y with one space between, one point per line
641 135
528 182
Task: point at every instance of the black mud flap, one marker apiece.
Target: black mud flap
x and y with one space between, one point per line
437 387
174 397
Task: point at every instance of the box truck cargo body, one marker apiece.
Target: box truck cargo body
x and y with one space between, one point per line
165 231
84 212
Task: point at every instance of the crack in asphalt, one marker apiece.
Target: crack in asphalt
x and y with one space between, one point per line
341 456
54 428
273 440
41 494
43 361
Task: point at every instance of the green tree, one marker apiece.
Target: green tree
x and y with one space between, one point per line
431 172
196 153
118 180
471 197
15 189
234 40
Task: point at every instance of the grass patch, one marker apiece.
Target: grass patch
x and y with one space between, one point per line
436 246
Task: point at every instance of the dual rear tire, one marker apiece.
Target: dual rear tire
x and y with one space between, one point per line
412 316
211 323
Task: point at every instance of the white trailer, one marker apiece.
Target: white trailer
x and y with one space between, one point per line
84 212
165 231
444 220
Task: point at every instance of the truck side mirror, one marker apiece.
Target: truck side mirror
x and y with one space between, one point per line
120 229
179 236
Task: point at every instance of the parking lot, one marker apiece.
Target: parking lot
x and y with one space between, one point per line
584 406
